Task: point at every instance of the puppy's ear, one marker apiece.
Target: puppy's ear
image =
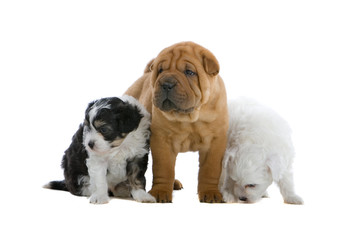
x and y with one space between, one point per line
149 66
273 162
228 158
128 117
90 105
212 68
211 64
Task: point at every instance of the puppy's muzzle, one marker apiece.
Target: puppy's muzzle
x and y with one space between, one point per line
166 97
91 144
170 96
168 86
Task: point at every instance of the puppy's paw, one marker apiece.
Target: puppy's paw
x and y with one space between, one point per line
178 185
148 198
265 195
294 199
140 195
211 197
161 196
228 197
99 199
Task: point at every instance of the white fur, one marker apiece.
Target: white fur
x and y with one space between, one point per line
259 151
141 196
106 165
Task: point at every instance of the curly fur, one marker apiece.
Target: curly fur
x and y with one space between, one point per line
259 151
109 152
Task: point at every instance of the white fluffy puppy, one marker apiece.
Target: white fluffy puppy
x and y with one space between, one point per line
259 151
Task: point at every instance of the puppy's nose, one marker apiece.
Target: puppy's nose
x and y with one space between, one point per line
91 144
243 199
167 86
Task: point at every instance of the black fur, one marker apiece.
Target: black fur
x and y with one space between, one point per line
58 185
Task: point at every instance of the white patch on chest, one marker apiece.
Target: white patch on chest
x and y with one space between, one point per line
116 172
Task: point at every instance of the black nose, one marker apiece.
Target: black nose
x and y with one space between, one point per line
167 86
91 144
243 199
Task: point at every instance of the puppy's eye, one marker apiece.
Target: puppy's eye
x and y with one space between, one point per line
160 70
189 73
250 186
103 130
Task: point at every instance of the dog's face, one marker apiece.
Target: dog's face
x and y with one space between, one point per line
182 77
251 178
107 123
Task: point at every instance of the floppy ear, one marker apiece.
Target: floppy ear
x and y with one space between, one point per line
149 66
211 65
228 158
89 107
128 117
273 162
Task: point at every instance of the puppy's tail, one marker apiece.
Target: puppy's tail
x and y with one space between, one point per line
56 185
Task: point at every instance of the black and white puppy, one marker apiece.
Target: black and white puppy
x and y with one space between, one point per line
109 152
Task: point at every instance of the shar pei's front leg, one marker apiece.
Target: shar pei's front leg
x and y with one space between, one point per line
210 171
163 169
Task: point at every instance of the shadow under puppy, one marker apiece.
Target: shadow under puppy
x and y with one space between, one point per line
109 152
259 151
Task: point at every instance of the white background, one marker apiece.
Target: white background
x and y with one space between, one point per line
301 58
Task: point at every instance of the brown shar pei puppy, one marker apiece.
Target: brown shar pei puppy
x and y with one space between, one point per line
182 89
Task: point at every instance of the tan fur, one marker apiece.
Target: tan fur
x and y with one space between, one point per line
199 124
